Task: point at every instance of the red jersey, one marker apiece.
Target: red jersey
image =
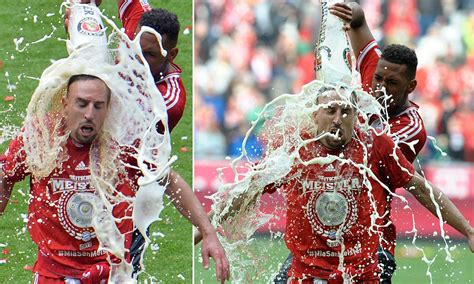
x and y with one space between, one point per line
407 129
170 85
367 63
333 199
60 211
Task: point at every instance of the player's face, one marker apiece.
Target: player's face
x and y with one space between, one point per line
337 118
393 77
152 52
86 107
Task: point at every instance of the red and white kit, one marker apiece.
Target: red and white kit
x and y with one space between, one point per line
170 85
407 129
60 210
333 199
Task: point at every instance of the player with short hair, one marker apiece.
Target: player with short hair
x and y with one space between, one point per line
67 245
331 205
60 210
134 14
167 75
394 71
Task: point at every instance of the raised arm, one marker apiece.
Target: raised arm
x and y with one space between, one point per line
420 188
355 25
188 205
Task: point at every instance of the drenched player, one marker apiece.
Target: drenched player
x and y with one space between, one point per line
331 205
62 204
167 75
137 13
390 76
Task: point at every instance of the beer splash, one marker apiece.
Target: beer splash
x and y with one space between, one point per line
286 118
136 107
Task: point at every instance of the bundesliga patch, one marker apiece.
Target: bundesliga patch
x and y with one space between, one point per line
75 213
90 26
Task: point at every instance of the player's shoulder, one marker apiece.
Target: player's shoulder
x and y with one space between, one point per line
173 74
370 51
408 125
380 142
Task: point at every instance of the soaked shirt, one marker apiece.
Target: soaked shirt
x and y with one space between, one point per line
60 210
407 129
330 206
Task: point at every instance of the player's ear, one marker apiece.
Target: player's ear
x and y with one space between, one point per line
412 86
172 53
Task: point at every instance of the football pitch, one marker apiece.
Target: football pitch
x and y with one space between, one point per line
267 256
170 258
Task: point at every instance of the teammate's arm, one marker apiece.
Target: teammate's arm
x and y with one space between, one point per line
5 191
420 188
188 205
354 23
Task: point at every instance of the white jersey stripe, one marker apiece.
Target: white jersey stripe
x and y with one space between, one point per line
169 89
176 97
177 92
123 8
172 91
412 129
418 127
364 52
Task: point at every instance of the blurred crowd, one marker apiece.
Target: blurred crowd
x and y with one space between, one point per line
248 52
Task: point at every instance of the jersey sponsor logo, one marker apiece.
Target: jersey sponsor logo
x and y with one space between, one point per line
81 166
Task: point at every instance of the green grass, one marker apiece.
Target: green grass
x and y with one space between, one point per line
173 261
410 267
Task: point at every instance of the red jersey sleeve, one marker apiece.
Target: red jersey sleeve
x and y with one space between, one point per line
367 62
13 162
130 13
408 131
174 94
396 170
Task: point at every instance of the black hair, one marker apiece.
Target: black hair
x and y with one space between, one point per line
400 54
86 77
164 22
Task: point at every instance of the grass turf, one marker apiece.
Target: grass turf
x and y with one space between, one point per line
410 267
31 20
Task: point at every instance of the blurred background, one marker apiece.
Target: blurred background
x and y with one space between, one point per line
247 52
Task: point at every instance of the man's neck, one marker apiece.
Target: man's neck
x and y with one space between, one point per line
399 110
78 144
